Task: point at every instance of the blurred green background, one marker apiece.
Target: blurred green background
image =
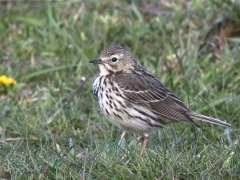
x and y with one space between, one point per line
50 124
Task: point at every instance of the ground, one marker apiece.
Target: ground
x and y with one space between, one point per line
50 123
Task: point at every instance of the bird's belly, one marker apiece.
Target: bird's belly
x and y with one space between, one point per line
130 117
132 124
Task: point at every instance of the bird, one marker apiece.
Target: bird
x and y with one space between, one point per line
135 100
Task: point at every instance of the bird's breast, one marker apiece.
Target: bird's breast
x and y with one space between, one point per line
122 113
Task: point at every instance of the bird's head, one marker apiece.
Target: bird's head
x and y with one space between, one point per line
115 59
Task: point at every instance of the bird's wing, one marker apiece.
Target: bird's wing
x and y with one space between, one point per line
147 91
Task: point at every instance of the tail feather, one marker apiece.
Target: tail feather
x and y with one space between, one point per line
201 117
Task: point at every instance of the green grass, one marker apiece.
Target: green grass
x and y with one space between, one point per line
46 46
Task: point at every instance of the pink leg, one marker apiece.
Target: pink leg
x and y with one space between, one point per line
144 141
123 134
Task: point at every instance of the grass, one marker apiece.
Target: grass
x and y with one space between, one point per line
49 132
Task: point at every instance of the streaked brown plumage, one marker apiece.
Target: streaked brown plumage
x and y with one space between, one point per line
133 99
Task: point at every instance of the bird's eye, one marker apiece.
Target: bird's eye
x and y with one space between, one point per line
114 59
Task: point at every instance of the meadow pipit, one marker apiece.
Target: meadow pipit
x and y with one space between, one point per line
135 100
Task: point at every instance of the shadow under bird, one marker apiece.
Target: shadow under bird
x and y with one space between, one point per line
135 100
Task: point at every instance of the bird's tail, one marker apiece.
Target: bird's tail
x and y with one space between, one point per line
201 117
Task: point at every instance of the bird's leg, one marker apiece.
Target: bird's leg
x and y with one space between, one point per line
144 141
123 134
121 144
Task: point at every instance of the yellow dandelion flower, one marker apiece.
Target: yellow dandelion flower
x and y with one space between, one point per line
7 81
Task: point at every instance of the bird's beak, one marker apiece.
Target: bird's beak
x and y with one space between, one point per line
97 61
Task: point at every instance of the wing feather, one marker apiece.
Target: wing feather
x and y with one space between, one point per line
147 91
